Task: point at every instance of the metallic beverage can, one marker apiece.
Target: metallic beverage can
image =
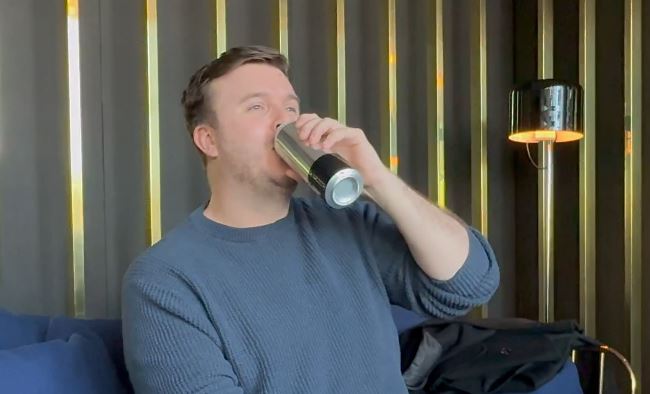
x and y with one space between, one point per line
327 174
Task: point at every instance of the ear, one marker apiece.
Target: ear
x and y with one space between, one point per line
204 139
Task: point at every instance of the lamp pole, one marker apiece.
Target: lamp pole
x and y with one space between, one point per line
545 233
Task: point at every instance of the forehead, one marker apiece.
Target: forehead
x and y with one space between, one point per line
250 78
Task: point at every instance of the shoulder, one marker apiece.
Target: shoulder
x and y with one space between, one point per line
165 258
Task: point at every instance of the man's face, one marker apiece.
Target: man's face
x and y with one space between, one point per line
249 103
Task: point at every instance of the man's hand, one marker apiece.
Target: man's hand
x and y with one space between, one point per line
351 144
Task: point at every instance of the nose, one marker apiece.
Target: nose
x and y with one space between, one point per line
284 119
281 116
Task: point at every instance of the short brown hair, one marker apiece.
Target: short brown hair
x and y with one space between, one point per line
195 98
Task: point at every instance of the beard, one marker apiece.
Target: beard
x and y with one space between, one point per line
286 183
260 180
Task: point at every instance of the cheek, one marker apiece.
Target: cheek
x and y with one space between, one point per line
246 136
250 148
254 132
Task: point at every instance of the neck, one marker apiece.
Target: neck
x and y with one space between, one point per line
240 206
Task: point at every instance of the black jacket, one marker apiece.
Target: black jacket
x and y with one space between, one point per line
487 355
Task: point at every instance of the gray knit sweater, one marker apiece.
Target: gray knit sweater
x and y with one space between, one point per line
297 306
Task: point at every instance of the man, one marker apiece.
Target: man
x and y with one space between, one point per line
259 292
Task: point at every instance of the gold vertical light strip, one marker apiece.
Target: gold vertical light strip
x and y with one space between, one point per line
391 138
220 17
587 181
479 121
76 160
283 27
340 62
545 177
545 38
440 105
633 115
432 81
153 122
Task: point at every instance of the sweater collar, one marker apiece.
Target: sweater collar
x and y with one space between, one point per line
245 234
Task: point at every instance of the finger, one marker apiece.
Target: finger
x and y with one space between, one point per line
320 129
335 137
305 130
304 118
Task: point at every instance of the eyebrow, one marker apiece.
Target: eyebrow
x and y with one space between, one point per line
260 94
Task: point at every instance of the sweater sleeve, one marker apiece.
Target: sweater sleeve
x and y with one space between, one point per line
410 287
170 346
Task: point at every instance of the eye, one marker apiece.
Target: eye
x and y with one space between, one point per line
255 107
292 109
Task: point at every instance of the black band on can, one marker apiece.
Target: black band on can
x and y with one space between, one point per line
323 169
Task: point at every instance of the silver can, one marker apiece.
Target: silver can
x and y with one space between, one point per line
327 174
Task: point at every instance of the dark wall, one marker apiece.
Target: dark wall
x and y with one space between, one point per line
35 241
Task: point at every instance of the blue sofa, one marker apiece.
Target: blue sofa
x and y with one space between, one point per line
40 354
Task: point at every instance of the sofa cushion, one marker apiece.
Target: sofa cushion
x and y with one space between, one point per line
19 330
109 331
78 365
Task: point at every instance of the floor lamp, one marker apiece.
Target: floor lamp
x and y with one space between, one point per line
545 111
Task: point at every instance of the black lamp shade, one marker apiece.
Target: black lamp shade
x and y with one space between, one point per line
546 110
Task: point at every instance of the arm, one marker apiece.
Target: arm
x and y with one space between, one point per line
429 260
438 241
169 344
409 286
